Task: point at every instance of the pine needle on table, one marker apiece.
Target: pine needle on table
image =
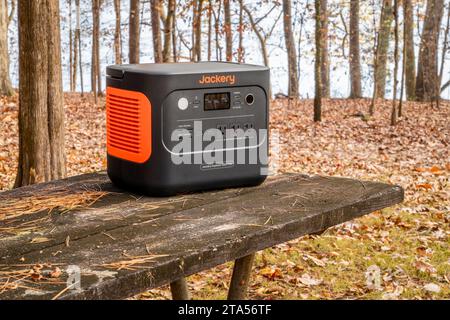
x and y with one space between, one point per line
63 200
133 262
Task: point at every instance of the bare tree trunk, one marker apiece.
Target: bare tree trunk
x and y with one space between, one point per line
394 98
210 29
95 63
94 50
382 48
41 114
217 32
168 30
427 85
402 85
70 49
318 63
444 46
156 30
78 44
354 58
174 30
192 53
5 81
299 46
197 52
409 57
325 66
134 32
291 52
376 48
117 34
55 97
97 54
241 33
228 33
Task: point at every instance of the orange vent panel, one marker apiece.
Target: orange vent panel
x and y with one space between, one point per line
128 125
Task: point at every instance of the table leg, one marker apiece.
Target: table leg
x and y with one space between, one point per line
240 278
179 290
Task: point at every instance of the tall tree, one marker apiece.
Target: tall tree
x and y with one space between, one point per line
228 33
241 32
72 85
117 34
210 29
402 85
217 31
96 83
444 46
156 30
394 98
318 62
5 81
197 25
291 52
408 42
354 57
134 32
78 46
192 53
174 34
382 48
41 115
427 83
325 65
168 30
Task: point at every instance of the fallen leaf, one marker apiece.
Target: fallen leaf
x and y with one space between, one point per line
424 267
421 251
56 273
317 262
307 280
424 186
394 294
435 170
271 273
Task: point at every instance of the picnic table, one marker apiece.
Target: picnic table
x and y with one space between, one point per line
112 244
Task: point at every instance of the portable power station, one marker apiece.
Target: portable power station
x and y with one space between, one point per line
172 127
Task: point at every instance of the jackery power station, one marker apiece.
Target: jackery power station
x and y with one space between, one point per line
152 107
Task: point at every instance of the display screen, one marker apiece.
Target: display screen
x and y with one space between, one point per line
217 101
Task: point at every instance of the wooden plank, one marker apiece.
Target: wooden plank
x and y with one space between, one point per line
189 240
115 209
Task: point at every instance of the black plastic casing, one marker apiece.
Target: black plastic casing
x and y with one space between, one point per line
162 84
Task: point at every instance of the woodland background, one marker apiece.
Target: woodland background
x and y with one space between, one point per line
359 88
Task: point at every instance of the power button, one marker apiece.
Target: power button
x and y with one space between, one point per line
183 103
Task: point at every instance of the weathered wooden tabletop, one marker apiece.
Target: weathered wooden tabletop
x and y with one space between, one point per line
125 243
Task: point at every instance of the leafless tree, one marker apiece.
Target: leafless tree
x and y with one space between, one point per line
41 115
134 32
291 52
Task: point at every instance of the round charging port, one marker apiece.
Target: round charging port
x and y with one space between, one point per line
249 99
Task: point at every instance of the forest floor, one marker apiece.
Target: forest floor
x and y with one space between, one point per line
408 245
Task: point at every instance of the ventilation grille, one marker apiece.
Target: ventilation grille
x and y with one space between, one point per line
128 123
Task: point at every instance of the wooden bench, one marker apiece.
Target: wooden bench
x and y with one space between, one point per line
124 244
